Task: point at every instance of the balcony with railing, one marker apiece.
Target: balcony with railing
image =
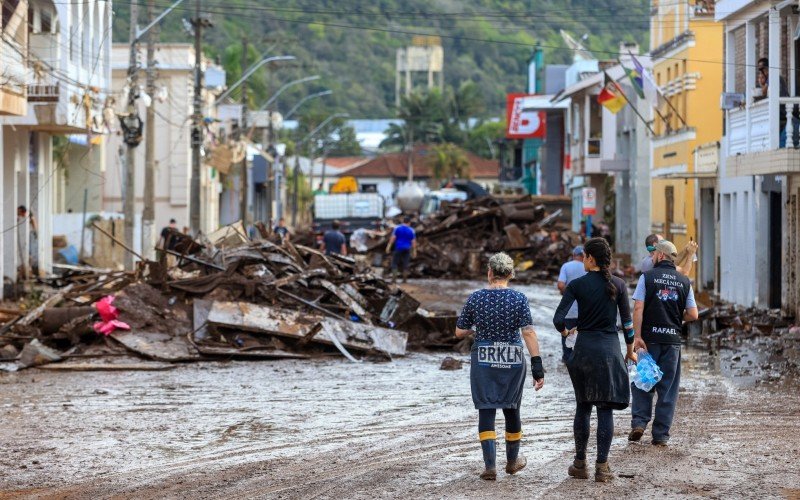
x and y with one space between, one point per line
763 120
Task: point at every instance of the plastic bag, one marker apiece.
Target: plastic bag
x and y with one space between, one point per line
571 339
645 374
358 240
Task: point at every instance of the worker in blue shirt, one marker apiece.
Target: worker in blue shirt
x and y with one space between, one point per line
404 240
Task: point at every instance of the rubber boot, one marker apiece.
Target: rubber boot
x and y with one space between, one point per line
515 461
602 472
578 469
489 447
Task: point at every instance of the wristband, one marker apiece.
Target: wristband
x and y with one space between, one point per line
537 370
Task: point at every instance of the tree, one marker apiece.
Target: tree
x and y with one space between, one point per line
482 139
435 116
338 137
449 162
346 144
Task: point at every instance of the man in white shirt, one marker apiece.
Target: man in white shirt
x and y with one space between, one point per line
570 271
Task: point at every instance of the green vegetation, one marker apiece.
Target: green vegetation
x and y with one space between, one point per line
352 46
449 162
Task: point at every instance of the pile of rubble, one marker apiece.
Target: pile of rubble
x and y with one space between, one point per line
220 298
750 342
457 241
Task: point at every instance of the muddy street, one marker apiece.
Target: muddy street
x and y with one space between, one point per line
327 428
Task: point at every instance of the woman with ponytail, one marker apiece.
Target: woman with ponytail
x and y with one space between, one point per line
596 366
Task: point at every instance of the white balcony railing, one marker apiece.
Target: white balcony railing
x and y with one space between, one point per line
790 137
749 128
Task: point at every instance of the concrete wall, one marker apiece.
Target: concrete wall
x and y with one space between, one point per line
743 240
791 245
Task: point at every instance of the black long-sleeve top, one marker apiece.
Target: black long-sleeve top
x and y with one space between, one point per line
596 310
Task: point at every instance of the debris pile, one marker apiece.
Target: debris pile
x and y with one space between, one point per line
756 342
457 241
223 297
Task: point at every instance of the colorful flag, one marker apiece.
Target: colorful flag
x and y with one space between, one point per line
611 97
649 87
636 81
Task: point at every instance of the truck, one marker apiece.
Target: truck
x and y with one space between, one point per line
352 210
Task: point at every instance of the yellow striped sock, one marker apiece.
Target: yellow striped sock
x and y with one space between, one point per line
513 436
483 436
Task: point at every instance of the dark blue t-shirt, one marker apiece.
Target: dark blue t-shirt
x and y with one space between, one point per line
333 240
404 235
496 315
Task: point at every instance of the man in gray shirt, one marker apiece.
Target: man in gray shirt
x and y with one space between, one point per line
570 271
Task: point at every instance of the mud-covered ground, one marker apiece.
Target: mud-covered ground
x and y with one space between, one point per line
331 429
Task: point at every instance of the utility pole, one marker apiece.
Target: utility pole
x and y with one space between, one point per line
129 202
243 129
197 120
148 214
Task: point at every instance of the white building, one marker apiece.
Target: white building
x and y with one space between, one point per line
759 158
56 54
173 153
603 144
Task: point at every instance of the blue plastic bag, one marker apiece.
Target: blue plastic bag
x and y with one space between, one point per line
645 374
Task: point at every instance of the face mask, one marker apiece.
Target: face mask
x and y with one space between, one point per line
651 248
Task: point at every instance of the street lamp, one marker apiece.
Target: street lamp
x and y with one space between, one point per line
249 73
290 84
304 99
308 136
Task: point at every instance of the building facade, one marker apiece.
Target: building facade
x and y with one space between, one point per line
56 54
610 152
173 101
685 46
760 156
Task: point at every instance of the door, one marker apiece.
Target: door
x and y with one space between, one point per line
669 217
775 236
707 238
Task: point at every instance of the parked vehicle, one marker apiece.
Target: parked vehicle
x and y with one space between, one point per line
352 210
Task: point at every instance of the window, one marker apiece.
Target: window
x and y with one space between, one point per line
46 21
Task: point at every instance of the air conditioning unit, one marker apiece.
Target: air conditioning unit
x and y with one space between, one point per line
731 100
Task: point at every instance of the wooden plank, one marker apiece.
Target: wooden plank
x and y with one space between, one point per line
50 302
158 346
297 325
346 299
515 238
88 367
252 354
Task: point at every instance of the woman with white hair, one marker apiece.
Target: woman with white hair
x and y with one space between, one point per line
496 315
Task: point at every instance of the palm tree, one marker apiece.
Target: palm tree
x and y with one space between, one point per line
449 162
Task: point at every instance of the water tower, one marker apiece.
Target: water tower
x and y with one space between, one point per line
425 56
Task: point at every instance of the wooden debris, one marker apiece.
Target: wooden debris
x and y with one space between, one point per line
293 324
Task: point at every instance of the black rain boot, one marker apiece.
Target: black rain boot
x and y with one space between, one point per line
516 462
489 447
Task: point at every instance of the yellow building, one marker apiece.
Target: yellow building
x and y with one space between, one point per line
687 51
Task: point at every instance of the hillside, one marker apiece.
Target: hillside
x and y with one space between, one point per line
352 45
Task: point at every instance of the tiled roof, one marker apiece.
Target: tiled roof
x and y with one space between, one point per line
345 161
395 165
